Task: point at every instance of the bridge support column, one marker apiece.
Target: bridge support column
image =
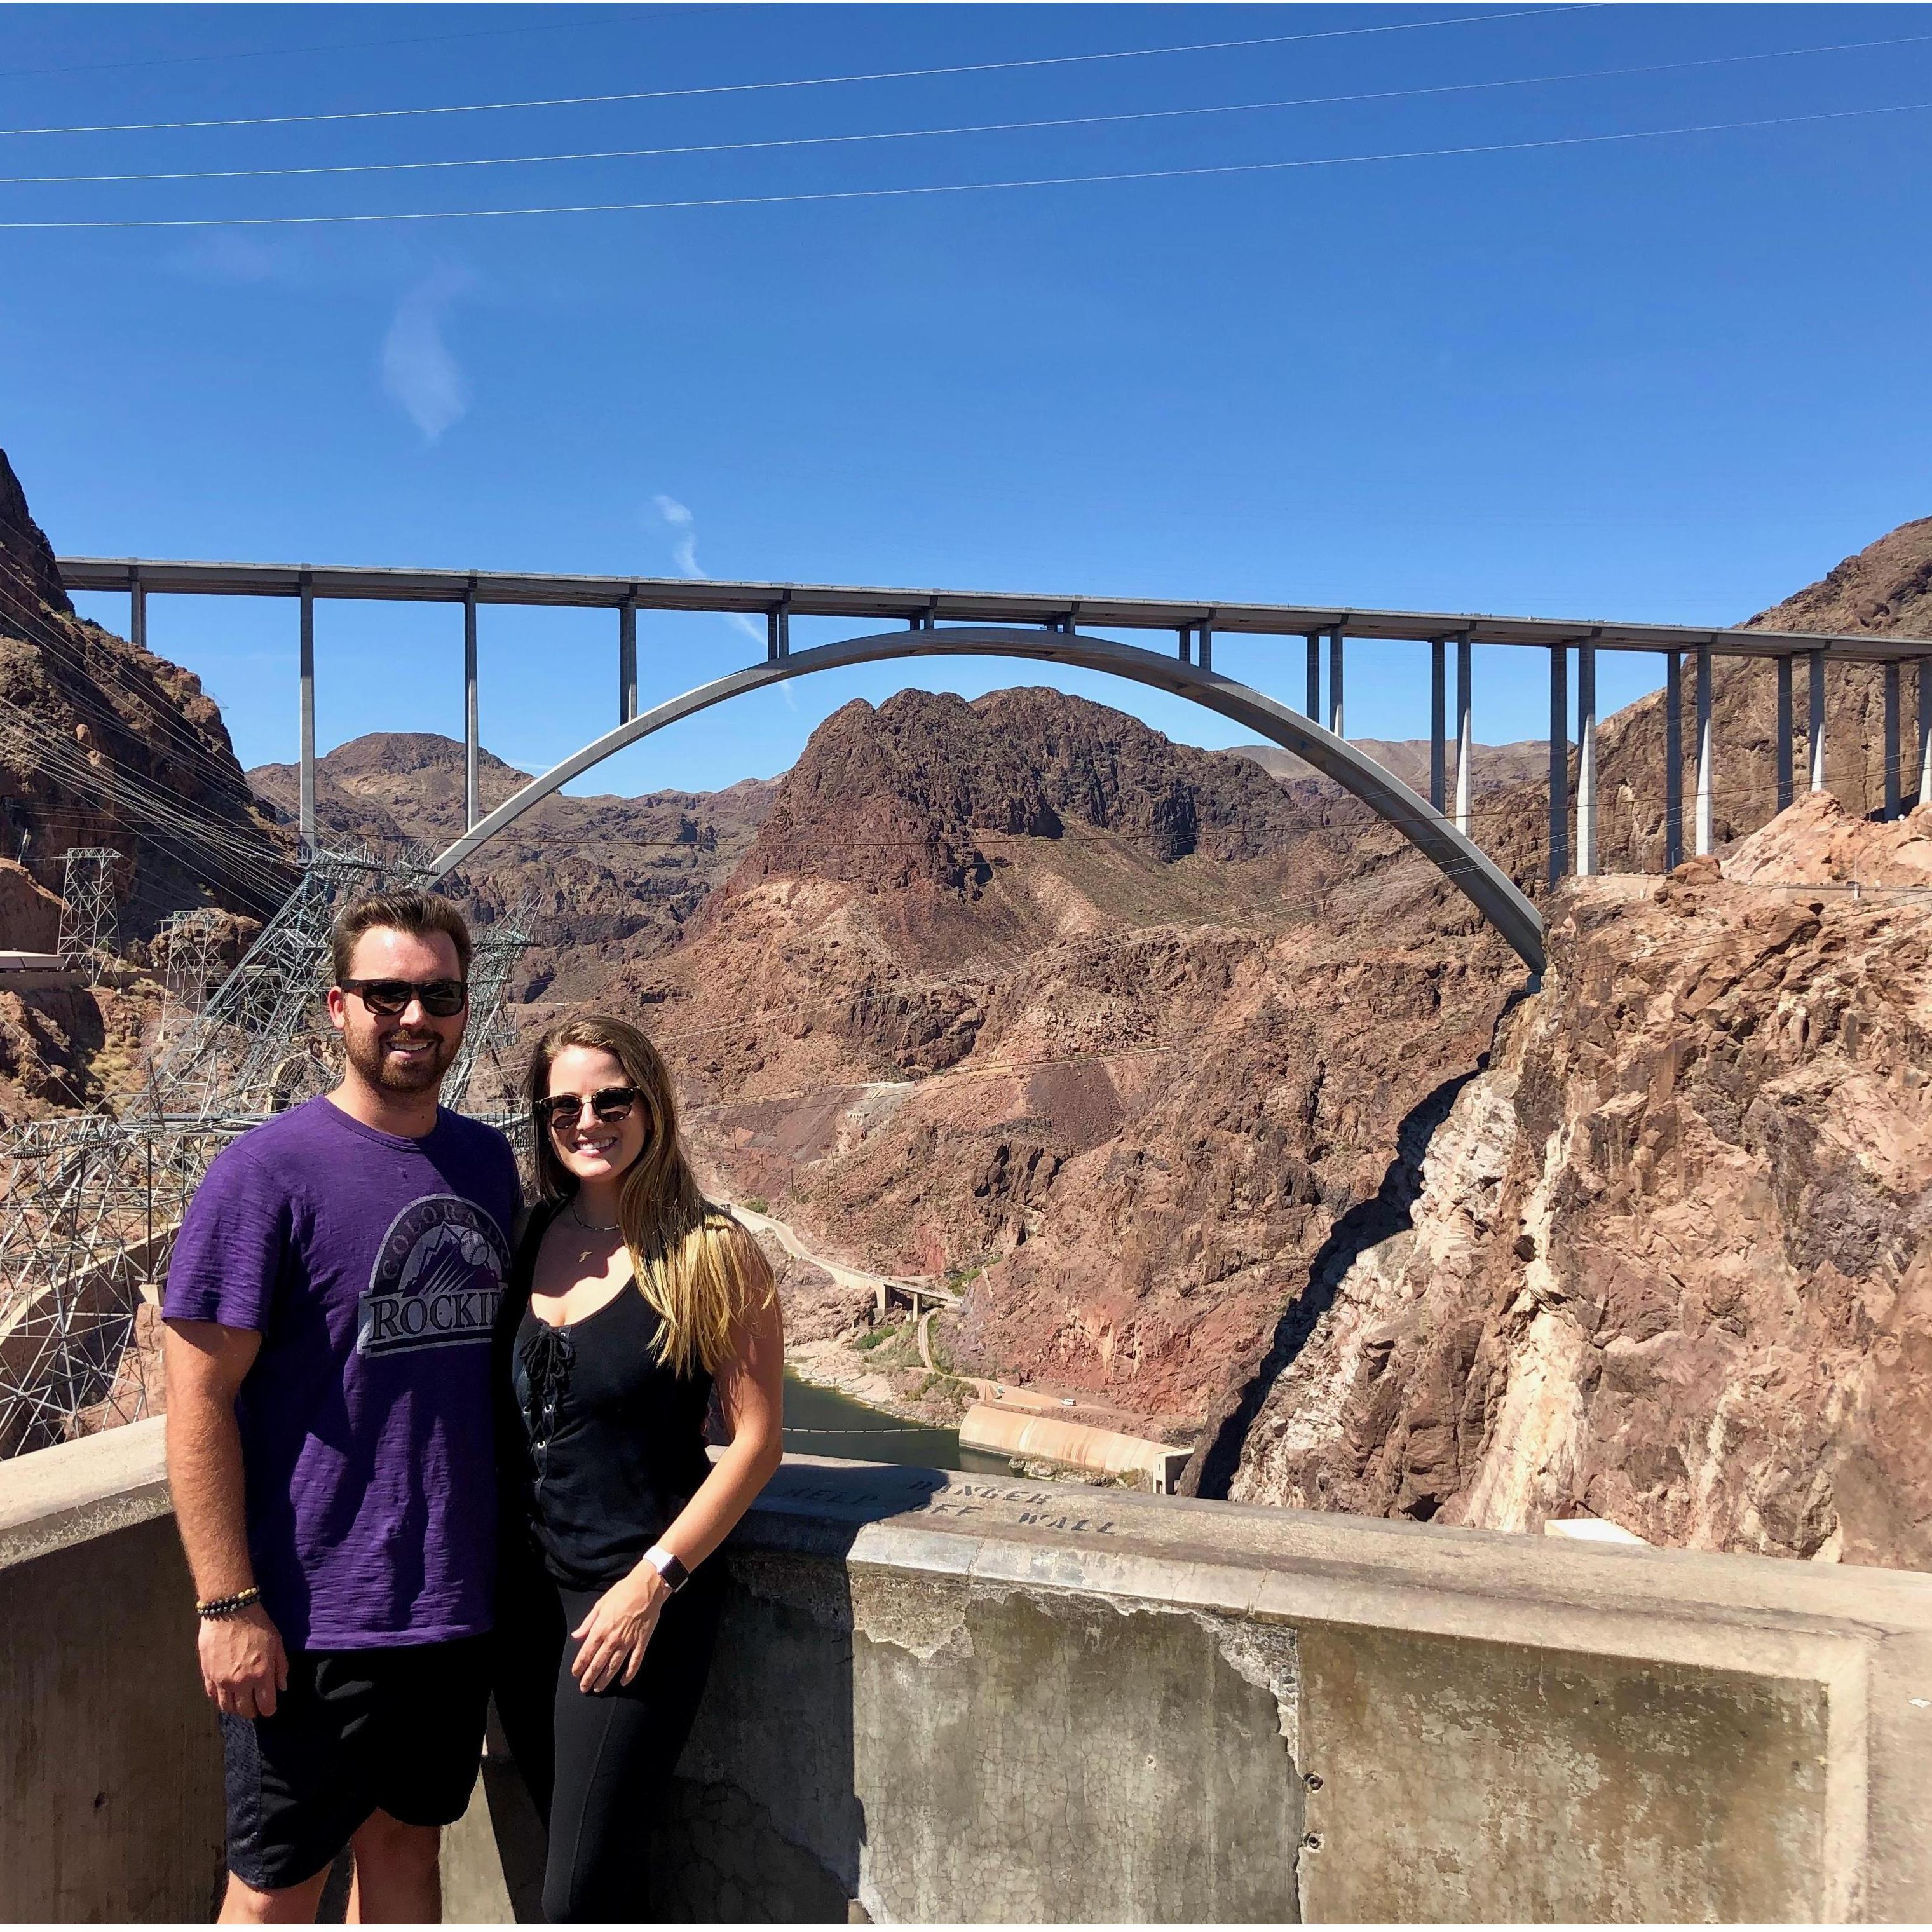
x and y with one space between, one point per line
1704 772
627 662
1784 732
1206 658
1335 649
1438 720
305 699
1466 740
1185 651
1586 761
1559 762
1925 730
1892 781
471 798
1313 706
1815 697
778 633
137 612
1673 760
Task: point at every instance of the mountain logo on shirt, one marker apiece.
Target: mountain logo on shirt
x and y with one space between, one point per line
437 1280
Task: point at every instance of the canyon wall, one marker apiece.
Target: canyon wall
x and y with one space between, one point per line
1108 1031
1667 1259
104 744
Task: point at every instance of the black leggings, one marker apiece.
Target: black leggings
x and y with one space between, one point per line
599 1767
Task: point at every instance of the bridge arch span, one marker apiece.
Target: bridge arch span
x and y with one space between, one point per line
1466 866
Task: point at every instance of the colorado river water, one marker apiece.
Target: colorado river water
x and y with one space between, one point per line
822 1422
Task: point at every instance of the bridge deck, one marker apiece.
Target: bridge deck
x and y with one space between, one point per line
380 584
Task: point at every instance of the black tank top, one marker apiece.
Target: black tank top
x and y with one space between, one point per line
612 1441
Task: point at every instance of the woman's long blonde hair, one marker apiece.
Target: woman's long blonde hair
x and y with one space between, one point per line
700 1269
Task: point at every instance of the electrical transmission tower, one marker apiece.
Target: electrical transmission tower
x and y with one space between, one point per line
89 1204
479 1083
89 928
187 945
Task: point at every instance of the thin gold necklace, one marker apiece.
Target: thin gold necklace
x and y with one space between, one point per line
591 1227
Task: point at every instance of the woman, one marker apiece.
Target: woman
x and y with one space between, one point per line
630 1298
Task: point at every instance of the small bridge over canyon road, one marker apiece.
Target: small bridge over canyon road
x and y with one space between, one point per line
1068 631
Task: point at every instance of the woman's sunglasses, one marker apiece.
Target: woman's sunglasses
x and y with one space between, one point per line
609 1104
443 998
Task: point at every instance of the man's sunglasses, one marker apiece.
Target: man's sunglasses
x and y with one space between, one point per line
609 1104
443 998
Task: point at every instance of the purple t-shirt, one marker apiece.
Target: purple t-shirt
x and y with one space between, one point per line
372 1265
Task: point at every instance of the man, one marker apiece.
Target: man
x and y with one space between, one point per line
329 1304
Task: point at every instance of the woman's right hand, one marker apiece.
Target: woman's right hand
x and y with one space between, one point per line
244 1665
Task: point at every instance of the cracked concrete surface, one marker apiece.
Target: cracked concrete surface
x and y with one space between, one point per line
1064 1758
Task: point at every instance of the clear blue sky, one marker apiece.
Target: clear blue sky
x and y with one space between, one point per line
1670 378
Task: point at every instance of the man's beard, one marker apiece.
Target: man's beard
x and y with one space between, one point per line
367 1054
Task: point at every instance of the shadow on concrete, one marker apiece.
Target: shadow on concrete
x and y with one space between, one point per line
1388 1211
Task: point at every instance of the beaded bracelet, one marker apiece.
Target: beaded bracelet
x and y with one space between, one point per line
213 1607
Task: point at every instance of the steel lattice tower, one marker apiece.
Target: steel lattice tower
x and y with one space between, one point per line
91 1202
187 944
90 928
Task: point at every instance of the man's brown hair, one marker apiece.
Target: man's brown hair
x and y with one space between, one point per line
419 914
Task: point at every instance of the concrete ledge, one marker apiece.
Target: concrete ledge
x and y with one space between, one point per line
1475 1726
946 1697
77 1491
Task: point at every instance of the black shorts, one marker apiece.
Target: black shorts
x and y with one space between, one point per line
398 1730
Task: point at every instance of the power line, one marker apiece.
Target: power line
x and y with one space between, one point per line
285 53
69 651
820 80
79 771
164 813
1201 172
966 127
71 654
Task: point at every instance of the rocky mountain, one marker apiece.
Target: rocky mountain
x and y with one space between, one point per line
1667 1259
105 745
987 1003
1886 589
604 881
1882 590
1019 992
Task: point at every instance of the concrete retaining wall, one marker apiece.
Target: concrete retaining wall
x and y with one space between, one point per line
110 1767
945 1698
1079 1445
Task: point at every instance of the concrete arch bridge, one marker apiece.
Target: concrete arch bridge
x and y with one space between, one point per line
1066 630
